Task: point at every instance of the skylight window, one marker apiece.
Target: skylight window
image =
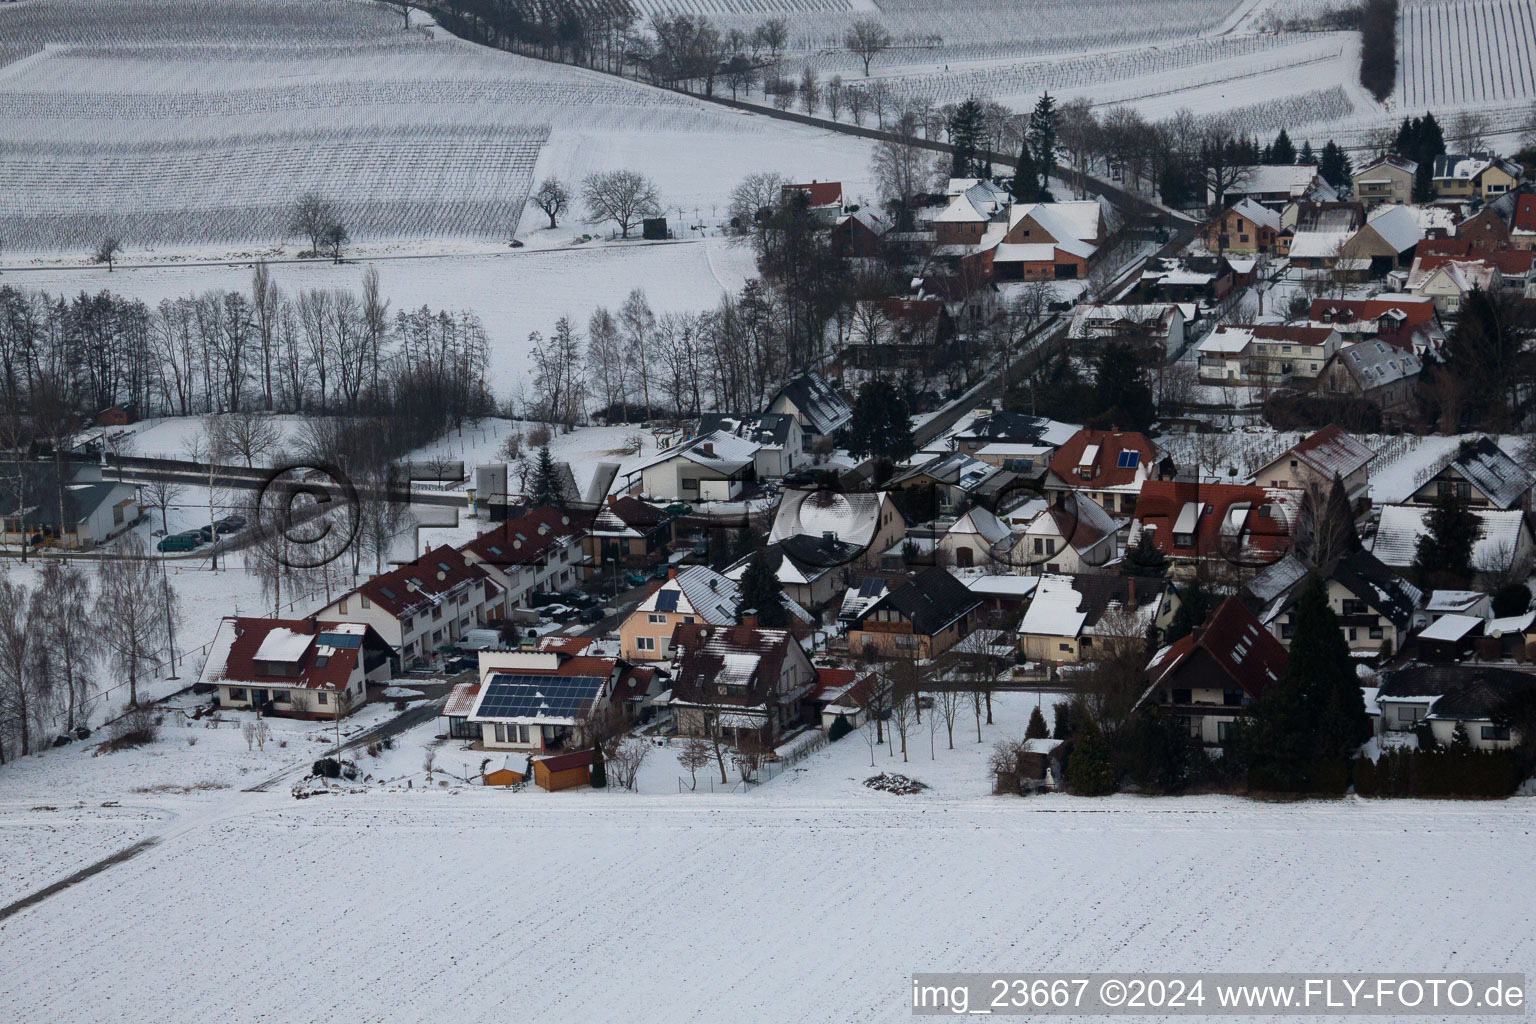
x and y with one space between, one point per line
1129 459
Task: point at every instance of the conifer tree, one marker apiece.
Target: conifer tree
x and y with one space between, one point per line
1026 177
1041 137
1306 156
1283 151
760 593
965 129
599 769
1145 560
1089 772
1036 729
1444 552
544 485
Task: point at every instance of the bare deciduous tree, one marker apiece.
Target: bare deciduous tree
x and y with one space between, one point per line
694 755
107 252
624 197
132 610
312 214
553 198
867 38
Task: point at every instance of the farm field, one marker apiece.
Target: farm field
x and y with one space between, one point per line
1457 54
203 135
610 885
514 293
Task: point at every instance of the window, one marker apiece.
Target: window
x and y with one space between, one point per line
645 643
324 697
237 693
341 606
655 618
1232 698
1354 634
687 618
690 483
1223 730
1181 696
1495 732
366 603
1354 606
405 623
281 696
1410 713
1064 647
1377 633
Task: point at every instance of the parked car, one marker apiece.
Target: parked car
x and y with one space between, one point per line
636 579
223 526
234 522
206 533
577 598
540 598
679 508
592 614
660 572
179 542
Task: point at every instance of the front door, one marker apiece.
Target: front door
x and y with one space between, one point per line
258 698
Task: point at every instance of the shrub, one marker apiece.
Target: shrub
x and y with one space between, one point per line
538 437
1089 772
839 728
191 741
327 768
134 729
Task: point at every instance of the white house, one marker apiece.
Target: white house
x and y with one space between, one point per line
710 467
298 668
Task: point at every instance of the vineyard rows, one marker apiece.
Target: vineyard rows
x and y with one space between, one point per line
1266 118
439 181
723 8
1466 52
1020 80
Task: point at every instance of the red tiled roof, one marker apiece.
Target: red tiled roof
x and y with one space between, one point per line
1241 648
1511 262
1107 471
1349 310
821 193
436 573
461 700
1262 537
563 762
249 633
912 309
1294 335
1331 451
572 645
1525 213
633 682
835 684
524 539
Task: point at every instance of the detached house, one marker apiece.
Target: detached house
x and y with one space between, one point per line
1106 467
739 681
1503 543
1313 463
1275 184
1483 476
1244 525
1245 226
824 199
922 618
1387 179
1479 175
1071 536
536 701
93 510
424 605
1473 696
1375 607
817 406
1211 678
1053 241
1081 618
694 594
710 467
298 668
627 532
1265 352
779 439
1376 371
1159 324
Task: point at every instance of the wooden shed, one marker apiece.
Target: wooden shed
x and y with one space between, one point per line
511 772
563 771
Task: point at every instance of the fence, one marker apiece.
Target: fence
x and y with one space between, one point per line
767 773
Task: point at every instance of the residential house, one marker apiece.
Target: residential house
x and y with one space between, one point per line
1026 460
1376 609
922 618
1446 280
694 594
1321 234
1156 325
989 427
538 701
1244 525
1387 179
1473 696
1051 241
738 682
1274 185
543 550
858 235
1006 594
1186 279
1476 175
977 538
86 511
917 326
710 467
779 438
1211 678
1106 467
810 570
1243 353
1482 475
1404 321
1387 240
820 409
842 692
1074 535
862 523
1377 372
1494 226
944 484
627 532
1081 618
1313 463
299 668
424 606
823 199
1504 541
1522 228
1245 226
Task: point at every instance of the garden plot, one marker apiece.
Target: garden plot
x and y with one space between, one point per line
612 907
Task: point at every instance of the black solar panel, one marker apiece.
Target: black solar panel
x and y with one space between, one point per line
870 587
522 695
347 641
666 600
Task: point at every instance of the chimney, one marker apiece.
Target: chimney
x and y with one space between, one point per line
708 448
613 499
749 618
672 572
313 622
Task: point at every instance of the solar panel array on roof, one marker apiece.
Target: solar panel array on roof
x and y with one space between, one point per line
870 587
1129 459
346 641
666 600
521 695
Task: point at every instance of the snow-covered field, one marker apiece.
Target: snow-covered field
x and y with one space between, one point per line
200 135
514 292
1456 54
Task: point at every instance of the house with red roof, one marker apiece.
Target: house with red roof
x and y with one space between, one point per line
1522 228
1314 462
740 682
1408 322
1212 677
540 550
425 605
1107 467
1243 525
824 199
842 691
629 532
298 668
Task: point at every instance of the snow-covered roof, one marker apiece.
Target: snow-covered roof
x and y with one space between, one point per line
1401 526
850 517
1319 244
283 644
1226 340
998 585
1503 481
1374 364
1460 602
1054 610
981 523
1397 226
1264 179
1078 219
1450 627
960 211
717 450
1258 213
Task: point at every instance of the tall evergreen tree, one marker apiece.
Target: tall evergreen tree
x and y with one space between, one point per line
1144 560
1089 770
1036 729
1334 166
1306 156
1041 136
1283 151
1195 604
1444 552
1026 178
965 136
1123 397
882 423
544 483
761 593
